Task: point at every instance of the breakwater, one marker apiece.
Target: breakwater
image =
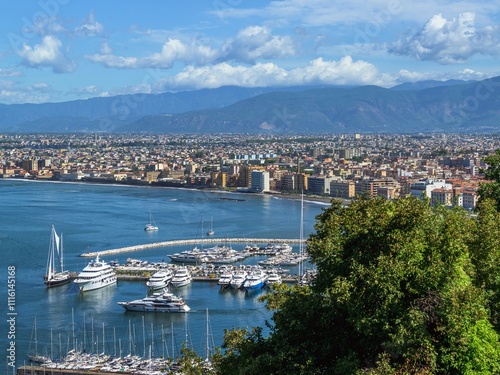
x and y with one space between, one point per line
190 242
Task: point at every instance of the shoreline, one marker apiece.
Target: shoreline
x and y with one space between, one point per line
292 196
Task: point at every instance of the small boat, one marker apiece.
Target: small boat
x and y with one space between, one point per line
211 231
97 274
151 226
53 277
158 302
256 280
182 277
159 279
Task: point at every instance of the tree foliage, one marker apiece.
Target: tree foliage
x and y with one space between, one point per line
402 288
491 189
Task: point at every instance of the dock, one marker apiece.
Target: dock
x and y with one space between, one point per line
190 242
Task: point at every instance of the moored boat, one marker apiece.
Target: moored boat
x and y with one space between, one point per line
158 302
97 274
181 277
160 279
255 280
238 279
53 277
274 277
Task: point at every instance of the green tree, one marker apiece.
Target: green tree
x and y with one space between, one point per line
491 190
396 293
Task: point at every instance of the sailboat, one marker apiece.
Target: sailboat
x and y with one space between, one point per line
37 358
211 231
151 226
54 277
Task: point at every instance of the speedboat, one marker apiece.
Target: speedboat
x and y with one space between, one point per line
97 274
158 302
182 277
256 280
160 279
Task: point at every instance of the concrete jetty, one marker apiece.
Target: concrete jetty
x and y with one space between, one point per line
191 242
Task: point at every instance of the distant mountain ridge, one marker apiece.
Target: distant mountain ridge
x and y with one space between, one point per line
467 107
431 106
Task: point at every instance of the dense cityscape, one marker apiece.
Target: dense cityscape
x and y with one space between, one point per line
445 167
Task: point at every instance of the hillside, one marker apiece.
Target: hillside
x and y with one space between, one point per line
452 106
467 107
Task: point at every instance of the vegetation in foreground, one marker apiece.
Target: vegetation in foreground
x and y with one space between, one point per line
402 288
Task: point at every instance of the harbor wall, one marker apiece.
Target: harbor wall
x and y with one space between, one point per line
190 242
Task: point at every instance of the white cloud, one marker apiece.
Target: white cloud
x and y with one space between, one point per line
317 72
257 42
250 45
90 27
87 91
172 50
449 41
46 54
10 73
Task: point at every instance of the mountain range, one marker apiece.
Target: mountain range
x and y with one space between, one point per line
427 106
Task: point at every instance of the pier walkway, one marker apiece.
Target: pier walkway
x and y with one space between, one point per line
190 242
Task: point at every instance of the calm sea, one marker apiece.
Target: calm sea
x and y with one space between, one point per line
99 217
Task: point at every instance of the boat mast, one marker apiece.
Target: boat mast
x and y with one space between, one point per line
61 256
301 246
143 338
73 327
207 343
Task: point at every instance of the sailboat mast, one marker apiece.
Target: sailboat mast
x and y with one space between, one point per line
73 327
301 246
207 344
61 257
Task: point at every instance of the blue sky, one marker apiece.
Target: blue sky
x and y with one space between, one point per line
60 50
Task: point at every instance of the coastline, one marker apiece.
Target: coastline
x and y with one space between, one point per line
292 196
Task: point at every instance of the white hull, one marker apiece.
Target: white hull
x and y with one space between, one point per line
131 306
96 284
158 302
97 274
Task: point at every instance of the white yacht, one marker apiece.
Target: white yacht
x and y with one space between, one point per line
159 279
225 279
189 256
97 274
256 280
158 302
182 277
238 279
273 277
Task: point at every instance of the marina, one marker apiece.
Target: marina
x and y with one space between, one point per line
112 217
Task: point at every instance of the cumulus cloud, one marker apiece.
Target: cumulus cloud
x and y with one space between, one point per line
250 45
318 71
449 41
90 27
172 50
257 42
46 54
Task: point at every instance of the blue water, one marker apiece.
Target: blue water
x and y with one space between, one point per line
100 217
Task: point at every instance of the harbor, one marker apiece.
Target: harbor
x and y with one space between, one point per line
100 217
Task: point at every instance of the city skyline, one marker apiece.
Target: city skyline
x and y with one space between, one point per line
60 50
